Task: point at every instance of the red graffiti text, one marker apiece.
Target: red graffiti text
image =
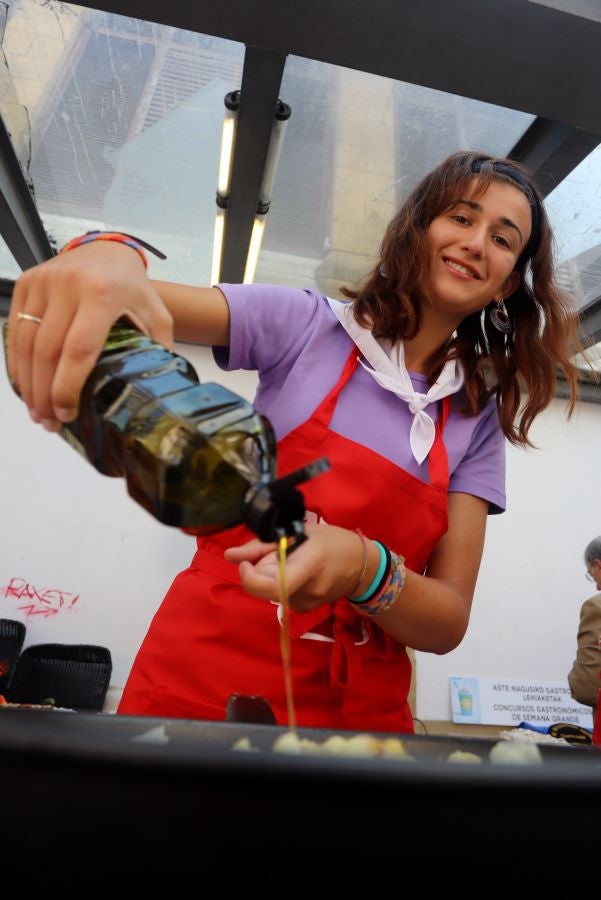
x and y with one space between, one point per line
35 602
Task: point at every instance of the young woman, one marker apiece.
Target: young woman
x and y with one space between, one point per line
410 389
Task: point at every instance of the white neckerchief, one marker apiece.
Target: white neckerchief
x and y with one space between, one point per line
390 371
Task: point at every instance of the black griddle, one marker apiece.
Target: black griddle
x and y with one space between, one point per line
153 796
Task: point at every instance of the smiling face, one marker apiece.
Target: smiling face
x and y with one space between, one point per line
474 248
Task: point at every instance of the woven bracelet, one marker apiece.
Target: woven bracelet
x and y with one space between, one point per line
390 591
128 239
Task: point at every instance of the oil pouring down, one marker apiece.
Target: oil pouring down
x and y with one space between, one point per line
285 630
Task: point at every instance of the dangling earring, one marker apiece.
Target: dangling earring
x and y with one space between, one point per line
500 317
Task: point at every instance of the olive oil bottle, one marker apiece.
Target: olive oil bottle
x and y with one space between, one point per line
196 456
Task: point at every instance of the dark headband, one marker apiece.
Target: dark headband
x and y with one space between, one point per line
523 184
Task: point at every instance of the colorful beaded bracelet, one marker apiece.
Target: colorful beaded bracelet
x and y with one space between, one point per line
129 239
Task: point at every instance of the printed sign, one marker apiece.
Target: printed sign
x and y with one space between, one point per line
507 701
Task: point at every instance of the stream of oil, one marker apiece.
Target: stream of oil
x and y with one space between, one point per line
285 631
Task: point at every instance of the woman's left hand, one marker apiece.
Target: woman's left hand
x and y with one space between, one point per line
324 567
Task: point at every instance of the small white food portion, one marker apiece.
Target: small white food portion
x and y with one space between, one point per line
362 745
395 749
334 746
156 735
463 756
520 754
309 746
290 742
244 744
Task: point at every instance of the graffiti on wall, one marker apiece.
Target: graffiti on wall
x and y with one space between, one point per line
34 601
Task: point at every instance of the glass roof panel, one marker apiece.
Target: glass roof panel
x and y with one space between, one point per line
125 122
355 145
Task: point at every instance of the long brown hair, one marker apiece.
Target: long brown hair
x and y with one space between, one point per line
519 368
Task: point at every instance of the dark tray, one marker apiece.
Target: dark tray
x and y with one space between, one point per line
168 793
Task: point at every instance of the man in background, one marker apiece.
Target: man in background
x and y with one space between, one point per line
584 676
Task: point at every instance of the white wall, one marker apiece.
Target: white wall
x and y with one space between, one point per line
68 532
532 578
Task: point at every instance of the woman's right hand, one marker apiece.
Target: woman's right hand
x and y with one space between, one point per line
78 296
322 569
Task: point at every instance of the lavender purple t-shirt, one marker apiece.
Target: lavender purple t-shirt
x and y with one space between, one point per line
294 341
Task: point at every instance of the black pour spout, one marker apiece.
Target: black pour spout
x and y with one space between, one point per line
275 508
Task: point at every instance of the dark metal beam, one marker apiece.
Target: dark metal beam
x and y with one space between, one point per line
512 53
590 334
20 223
587 393
261 80
590 321
551 150
6 292
589 389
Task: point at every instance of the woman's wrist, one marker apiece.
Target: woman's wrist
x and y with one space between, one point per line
381 581
389 589
358 581
368 568
373 586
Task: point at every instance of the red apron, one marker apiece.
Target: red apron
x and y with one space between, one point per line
209 639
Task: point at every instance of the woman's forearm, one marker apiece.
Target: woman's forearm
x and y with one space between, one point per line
428 615
200 315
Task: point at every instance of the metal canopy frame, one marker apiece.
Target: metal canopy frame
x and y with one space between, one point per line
259 91
519 54
20 223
